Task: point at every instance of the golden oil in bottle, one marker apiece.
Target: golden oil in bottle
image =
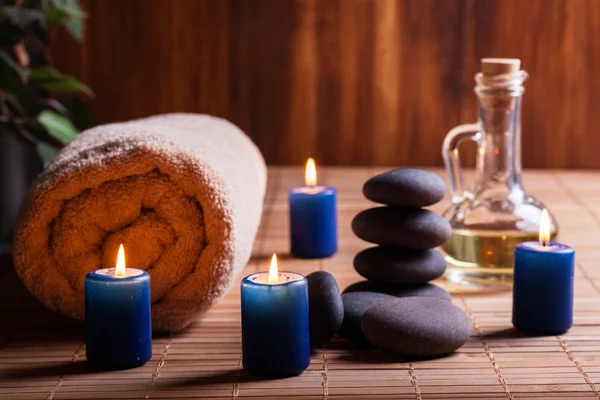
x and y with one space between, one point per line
484 257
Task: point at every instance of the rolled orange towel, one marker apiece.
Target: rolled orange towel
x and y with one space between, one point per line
182 192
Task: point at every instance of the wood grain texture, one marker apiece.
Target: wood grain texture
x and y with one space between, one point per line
347 81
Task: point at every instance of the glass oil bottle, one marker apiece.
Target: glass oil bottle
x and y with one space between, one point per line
491 218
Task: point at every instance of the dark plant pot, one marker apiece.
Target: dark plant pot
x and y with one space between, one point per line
19 166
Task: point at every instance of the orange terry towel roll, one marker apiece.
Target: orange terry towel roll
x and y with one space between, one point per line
182 192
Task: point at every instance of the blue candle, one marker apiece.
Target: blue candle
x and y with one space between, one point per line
543 287
117 316
275 335
313 218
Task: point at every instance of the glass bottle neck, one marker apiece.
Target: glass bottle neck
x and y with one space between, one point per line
499 157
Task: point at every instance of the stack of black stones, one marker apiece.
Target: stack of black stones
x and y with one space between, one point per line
396 309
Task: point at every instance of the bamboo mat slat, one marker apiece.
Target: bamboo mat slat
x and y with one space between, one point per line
42 355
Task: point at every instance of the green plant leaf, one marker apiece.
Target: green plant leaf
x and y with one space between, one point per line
75 24
44 73
75 27
60 11
7 59
55 16
70 7
55 83
46 152
24 16
67 13
59 127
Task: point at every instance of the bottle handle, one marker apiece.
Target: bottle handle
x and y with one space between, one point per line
452 158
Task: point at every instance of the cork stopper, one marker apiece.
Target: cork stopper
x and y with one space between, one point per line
499 66
496 72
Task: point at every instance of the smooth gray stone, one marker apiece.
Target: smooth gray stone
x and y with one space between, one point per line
416 326
355 304
325 307
418 290
412 228
405 187
397 265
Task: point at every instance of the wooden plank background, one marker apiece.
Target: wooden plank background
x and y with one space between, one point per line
347 81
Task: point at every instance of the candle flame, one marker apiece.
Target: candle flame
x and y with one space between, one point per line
120 269
273 272
310 176
545 227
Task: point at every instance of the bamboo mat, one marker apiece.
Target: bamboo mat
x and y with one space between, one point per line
42 355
